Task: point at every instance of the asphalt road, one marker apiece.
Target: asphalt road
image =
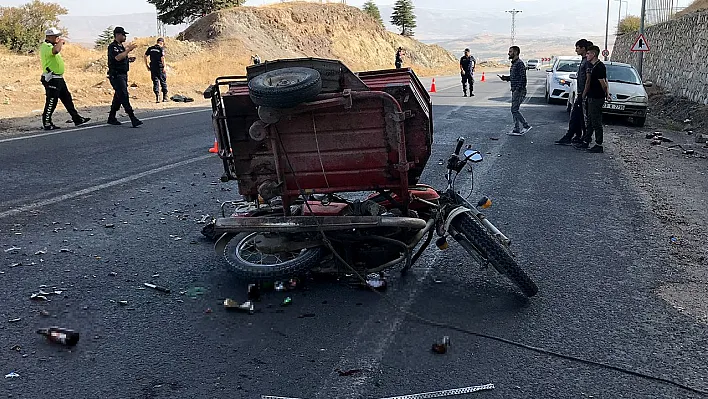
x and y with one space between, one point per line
579 228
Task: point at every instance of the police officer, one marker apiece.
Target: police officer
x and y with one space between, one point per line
53 80
156 55
467 64
256 59
118 66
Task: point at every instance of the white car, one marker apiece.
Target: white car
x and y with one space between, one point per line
532 64
558 78
629 97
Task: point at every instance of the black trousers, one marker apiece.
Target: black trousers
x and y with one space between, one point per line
121 95
594 120
56 91
467 77
159 80
577 125
399 65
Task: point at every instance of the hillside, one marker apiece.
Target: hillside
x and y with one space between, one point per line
315 30
697 5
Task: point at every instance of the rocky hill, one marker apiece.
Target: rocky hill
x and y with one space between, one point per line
315 30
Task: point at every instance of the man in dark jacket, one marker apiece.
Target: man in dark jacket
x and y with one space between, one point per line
576 126
156 65
517 78
118 66
467 64
399 58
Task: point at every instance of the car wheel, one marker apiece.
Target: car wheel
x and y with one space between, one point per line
548 97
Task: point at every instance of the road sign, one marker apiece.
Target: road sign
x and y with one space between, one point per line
641 45
605 53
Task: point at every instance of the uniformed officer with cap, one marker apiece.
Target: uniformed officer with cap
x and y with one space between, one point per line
156 65
467 64
118 66
53 80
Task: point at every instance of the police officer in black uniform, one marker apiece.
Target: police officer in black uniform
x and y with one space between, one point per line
399 58
118 66
467 64
156 55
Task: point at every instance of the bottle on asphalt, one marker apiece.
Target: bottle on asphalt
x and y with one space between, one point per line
60 336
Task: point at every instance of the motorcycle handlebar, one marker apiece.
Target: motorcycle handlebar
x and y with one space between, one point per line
460 143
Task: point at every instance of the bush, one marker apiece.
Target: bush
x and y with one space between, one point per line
22 28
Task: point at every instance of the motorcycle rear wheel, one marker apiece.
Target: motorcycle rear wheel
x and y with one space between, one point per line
249 263
498 255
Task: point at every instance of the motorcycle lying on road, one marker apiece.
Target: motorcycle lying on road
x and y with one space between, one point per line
297 165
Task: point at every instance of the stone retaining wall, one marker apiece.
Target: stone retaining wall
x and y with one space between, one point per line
678 60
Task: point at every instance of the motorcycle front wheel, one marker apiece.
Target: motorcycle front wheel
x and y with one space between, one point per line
248 262
498 255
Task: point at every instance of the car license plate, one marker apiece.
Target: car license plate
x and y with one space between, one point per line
618 107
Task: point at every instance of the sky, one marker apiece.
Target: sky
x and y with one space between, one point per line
106 7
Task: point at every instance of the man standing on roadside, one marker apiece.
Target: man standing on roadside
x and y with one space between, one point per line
156 66
118 66
399 58
597 90
53 80
467 64
517 78
576 126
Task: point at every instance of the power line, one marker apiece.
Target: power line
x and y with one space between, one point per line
513 13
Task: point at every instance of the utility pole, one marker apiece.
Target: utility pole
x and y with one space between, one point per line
641 32
513 13
161 28
607 25
619 16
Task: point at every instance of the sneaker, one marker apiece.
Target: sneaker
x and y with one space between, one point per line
596 149
575 140
51 127
464 95
582 145
136 122
114 121
165 99
526 129
516 133
564 141
471 94
81 121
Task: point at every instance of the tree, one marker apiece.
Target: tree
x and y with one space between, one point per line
22 28
105 38
403 17
174 12
628 25
373 11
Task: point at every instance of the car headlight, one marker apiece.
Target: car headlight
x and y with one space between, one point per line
562 81
639 99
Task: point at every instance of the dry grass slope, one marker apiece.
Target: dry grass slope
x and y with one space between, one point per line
697 5
221 44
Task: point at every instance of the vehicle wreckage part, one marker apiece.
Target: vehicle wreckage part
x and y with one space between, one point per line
483 219
498 255
250 263
286 87
259 129
300 224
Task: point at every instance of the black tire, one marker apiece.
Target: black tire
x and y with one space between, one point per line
639 122
297 264
549 100
499 256
285 88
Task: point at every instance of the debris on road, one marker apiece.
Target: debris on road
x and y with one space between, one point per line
13 249
376 281
254 292
15 320
194 292
243 307
287 302
157 287
38 297
445 393
59 335
42 252
123 303
306 315
65 250
204 219
279 286
441 348
16 264
208 310
12 375
110 225
348 373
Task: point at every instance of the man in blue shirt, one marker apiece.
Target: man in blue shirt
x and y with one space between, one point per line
517 78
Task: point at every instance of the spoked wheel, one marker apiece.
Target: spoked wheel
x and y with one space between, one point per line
498 255
251 260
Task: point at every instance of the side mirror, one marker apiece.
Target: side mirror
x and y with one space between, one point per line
549 70
472 155
648 83
573 76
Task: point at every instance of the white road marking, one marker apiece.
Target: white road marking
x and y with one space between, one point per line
61 131
89 190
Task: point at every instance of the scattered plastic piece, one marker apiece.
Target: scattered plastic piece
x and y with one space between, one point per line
16 264
243 307
287 301
441 348
39 297
376 281
123 303
279 286
13 249
14 320
61 336
348 373
157 287
42 252
445 393
12 375
208 310
110 225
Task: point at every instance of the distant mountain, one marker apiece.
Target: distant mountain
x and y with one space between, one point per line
85 30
